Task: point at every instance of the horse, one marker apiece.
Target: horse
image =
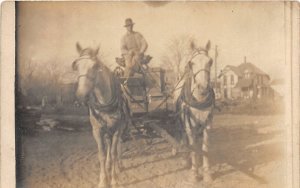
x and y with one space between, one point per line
194 106
108 109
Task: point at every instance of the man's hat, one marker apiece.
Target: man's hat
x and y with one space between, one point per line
128 22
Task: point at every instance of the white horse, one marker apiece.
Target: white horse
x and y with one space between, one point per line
195 104
108 109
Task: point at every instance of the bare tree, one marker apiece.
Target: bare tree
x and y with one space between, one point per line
54 72
178 52
26 72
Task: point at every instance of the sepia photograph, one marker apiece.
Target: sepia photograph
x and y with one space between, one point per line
156 94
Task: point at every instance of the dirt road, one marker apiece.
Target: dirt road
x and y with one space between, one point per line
245 152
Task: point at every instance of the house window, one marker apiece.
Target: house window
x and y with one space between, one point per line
232 80
247 74
225 80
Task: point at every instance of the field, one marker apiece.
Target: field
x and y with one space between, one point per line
245 152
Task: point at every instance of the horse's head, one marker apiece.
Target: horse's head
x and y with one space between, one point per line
87 66
198 69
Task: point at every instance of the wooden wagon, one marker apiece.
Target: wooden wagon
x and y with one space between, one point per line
147 92
151 106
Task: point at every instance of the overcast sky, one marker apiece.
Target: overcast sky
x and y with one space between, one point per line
48 31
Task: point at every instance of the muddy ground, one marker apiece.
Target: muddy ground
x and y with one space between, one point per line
245 152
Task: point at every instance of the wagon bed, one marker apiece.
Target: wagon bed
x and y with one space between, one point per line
146 92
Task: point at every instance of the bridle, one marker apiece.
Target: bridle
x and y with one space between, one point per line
90 78
84 75
188 72
193 75
186 98
196 53
204 70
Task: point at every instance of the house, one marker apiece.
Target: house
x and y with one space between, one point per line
217 88
244 81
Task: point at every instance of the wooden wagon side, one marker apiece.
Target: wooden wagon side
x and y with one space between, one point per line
146 92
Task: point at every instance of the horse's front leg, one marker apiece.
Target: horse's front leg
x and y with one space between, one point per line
195 156
119 147
107 138
193 146
102 159
205 145
195 162
98 135
119 155
114 156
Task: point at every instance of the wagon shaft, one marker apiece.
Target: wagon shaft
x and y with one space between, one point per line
163 133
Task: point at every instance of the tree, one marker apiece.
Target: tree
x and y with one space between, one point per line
26 72
178 52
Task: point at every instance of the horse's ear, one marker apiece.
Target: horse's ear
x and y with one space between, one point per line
192 45
207 47
78 47
74 66
96 51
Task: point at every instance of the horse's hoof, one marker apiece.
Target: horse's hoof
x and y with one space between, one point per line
114 181
121 168
174 152
103 186
114 185
194 178
117 186
186 163
207 179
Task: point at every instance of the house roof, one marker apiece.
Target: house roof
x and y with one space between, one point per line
244 66
239 70
235 69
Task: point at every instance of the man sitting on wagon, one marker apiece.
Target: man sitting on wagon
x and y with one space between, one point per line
133 47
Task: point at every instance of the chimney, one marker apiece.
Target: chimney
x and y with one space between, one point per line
245 59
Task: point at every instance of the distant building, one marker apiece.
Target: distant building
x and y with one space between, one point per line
217 88
244 81
170 79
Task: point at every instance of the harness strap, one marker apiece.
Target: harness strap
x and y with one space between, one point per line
113 104
188 98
